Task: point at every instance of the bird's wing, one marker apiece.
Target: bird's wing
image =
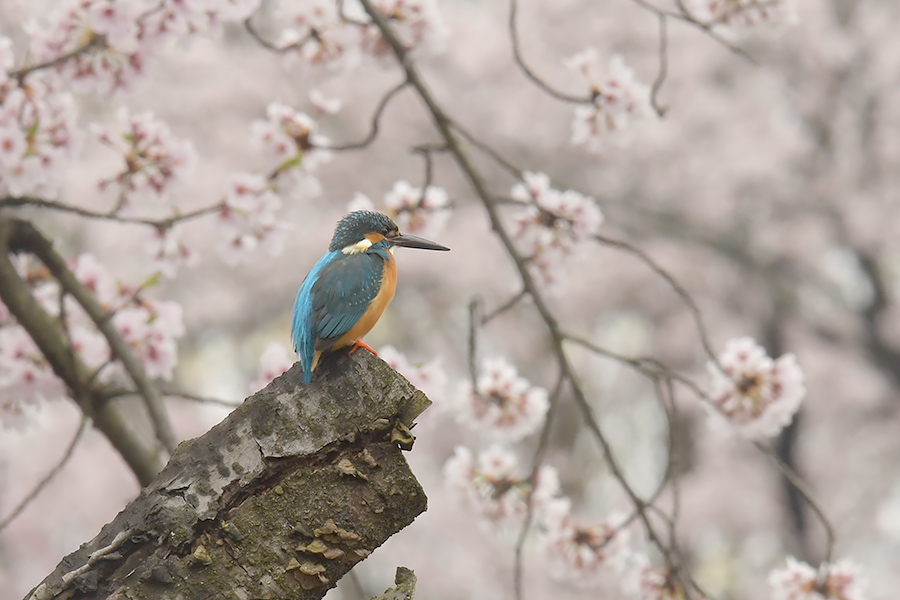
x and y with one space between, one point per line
342 292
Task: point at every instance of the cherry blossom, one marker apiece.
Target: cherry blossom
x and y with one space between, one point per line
26 380
324 104
291 139
168 252
417 23
552 224
643 582
119 54
249 219
38 135
619 99
491 486
585 556
154 159
756 395
428 377
836 581
274 361
502 404
736 18
417 211
317 35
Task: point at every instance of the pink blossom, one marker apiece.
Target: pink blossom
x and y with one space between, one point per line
585 556
38 135
643 582
323 104
428 377
155 161
97 278
249 219
491 486
551 225
26 380
502 405
360 202
619 99
417 23
318 36
737 18
836 581
168 252
291 138
275 360
756 395
417 211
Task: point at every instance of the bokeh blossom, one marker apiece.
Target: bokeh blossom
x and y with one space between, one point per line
643 582
154 160
756 395
736 18
428 377
551 225
502 404
249 219
291 139
418 24
417 211
619 100
168 252
275 360
836 581
582 555
493 488
38 136
150 327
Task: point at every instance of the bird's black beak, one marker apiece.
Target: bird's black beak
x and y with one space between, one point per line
413 241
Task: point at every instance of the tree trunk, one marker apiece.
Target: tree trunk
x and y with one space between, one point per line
279 500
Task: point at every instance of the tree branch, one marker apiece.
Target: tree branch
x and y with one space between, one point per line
92 397
280 499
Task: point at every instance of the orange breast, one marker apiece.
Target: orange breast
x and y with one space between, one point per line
376 307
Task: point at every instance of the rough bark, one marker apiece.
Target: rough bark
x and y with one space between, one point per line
279 500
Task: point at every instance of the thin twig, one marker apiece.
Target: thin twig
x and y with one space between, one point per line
517 54
536 463
673 283
663 71
444 126
95 41
166 223
42 484
376 119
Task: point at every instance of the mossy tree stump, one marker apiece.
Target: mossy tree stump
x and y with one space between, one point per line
279 500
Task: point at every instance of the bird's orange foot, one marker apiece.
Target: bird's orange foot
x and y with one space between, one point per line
361 344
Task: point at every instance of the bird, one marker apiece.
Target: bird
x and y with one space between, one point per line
347 290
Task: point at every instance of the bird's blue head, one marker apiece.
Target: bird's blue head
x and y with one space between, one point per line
364 229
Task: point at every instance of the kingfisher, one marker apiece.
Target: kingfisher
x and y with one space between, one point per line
345 293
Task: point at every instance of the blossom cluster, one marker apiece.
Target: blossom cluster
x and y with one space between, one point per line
38 131
248 218
149 327
618 100
339 35
501 404
275 360
552 224
492 486
154 160
421 212
118 37
754 394
428 377
841 580
736 18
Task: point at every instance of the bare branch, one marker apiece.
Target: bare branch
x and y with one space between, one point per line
376 118
517 53
60 464
25 201
95 41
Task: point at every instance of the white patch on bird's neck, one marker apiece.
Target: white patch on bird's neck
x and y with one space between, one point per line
360 246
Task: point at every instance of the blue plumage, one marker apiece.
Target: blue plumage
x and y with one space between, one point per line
348 288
